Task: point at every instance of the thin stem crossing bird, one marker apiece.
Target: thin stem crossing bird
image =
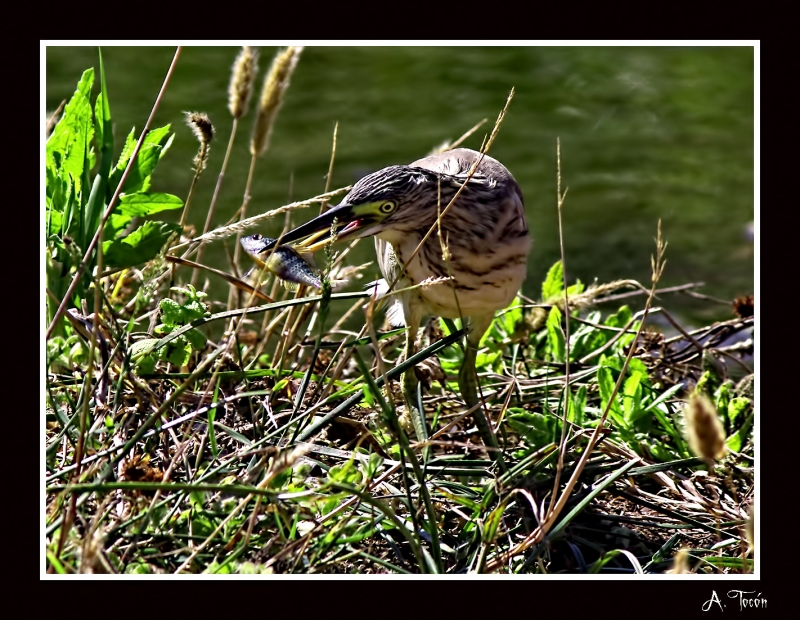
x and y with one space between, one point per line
479 250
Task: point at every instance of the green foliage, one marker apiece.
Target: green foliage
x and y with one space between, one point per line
538 429
80 180
555 335
174 315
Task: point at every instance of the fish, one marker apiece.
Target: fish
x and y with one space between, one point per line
283 261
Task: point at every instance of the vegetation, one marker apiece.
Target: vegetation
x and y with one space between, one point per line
279 445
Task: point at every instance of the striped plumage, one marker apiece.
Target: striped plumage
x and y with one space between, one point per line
484 230
485 234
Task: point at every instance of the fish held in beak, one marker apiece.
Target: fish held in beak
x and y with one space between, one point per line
283 261
316 233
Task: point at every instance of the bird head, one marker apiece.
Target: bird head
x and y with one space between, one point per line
381 201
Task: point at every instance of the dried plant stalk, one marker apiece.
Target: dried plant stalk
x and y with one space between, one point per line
275 85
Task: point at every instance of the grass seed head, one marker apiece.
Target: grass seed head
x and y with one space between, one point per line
203 130
704 428
243 74
275 85
680 564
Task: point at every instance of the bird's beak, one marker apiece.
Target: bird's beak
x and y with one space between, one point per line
347 220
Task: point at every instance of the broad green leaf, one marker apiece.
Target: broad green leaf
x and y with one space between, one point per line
664 396
172 313
196 339
194 309
555 335
537 429
115 224
576 289
636 366
736 407
66 147
722 395
605 381
176 351
127 151
553 285
146 365
485 361
140 246
738 439
142 204
142 347
620 319
152 149
584 341
632 395
577 406
512 316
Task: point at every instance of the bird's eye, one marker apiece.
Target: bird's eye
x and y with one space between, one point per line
256 237
388 206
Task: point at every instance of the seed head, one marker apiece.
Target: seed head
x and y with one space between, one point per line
244 71
680 564
275 85
203 130
704 428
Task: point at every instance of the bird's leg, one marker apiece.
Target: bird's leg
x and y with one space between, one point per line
468 384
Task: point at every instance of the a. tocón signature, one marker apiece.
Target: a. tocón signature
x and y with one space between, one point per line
744 600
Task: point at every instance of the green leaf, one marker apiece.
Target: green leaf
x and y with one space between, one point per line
176 351
197 499
140 246
172 313
492 523
142 204
196 339
737 406
512 316
146 365
664 396
620 319
367 395
605 381
738 439
577 406
66 149
152 149
194 309
93 211
632 395
142 347
576 289
585 341
124 157
553 285
537 429
555 335
105 133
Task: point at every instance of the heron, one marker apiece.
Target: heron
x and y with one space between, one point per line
472 265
